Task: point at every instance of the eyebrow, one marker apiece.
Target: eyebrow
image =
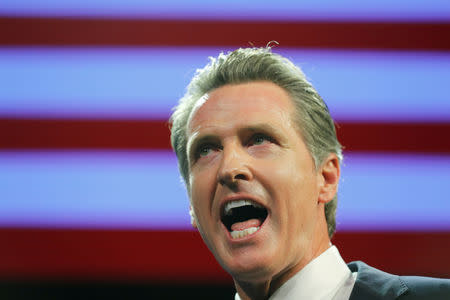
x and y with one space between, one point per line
198 139
264 127
268 129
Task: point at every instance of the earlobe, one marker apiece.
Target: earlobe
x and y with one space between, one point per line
329 178
193 218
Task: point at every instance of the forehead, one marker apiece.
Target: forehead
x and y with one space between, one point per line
233 105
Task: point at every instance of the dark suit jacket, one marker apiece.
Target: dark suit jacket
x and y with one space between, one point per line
374 284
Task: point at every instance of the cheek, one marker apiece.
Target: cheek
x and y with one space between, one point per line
286 178
196 192
201 187
296 186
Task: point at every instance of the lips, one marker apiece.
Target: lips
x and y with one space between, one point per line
242 217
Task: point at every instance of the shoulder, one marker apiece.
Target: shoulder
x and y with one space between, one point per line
427 287
372 283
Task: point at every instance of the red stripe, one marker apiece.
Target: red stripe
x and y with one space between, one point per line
81 134
95 254
151 134
107 32
395 137
181 256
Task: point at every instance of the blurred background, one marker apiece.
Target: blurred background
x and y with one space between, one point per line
91 203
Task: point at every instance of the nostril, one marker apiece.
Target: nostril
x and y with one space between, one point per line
230 183
232 177
239 176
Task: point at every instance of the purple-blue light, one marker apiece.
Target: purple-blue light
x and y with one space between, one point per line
375 10
142 190
146 83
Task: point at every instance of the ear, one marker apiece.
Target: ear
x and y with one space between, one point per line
193 218
329 178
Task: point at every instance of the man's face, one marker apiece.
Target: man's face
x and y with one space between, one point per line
253 185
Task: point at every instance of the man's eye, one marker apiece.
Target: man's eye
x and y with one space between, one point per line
259 139
204 150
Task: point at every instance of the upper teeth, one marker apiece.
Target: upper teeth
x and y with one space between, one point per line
239 203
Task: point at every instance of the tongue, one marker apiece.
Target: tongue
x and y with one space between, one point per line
246 224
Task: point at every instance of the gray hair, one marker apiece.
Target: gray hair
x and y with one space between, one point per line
245 65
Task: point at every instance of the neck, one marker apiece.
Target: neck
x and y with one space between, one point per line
261 290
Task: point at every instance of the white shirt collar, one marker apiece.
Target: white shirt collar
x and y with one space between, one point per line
324 277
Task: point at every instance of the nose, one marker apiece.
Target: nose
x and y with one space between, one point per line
234 167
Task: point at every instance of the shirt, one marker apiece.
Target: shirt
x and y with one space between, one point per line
326 277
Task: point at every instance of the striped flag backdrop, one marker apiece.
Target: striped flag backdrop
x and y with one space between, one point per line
89 188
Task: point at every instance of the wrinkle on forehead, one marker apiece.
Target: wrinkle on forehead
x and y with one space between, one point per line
245 99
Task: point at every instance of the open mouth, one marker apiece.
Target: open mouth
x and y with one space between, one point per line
243 217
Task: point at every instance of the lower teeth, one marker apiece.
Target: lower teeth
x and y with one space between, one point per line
242 233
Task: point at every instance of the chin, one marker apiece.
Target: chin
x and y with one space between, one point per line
248 267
